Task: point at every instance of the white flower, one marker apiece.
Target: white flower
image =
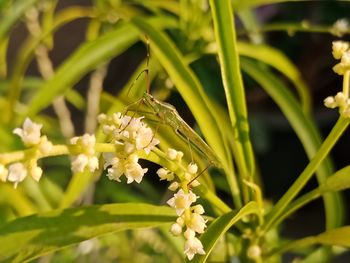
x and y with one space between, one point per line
340 27
116 171
30 133
339 48
79 163
254 252
110 159
172 153
341 100
133 133
17 173
329 102
87 157
345 59
176 229
129 166
165 174
198 209
193 246
3 173
102 118
162 173
189 233
145 139
197 223
93 164
181 221
192 168
36 172
134 172
339 69
192 197
181 201
179 155
173 186
195 183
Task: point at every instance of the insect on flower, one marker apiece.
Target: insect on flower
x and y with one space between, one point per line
166 114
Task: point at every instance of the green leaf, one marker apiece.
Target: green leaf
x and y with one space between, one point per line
9 18
279 61
87 57
232 80
29 237
337 182
77 100
305 130
335 237
17 200
220 226
3 54
242 4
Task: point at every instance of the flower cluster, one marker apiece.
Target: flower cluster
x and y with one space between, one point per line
341 51
128 140
86 157
131 136
189 215
30 135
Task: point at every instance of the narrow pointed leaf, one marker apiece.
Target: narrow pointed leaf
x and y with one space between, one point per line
337 182
305 130
232 79
27 238
220 226
335 237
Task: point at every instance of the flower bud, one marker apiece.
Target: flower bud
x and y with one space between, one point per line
172 154
192 168
174 186
176 229
254 252
338 48
329 102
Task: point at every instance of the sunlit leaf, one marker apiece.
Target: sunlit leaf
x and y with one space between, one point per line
29 237
335 237
220 226
232 80
337 182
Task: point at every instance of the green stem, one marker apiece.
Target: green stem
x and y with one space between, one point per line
292 246
305 176
6 158
294 206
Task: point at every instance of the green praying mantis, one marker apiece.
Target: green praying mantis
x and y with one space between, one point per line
167 114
